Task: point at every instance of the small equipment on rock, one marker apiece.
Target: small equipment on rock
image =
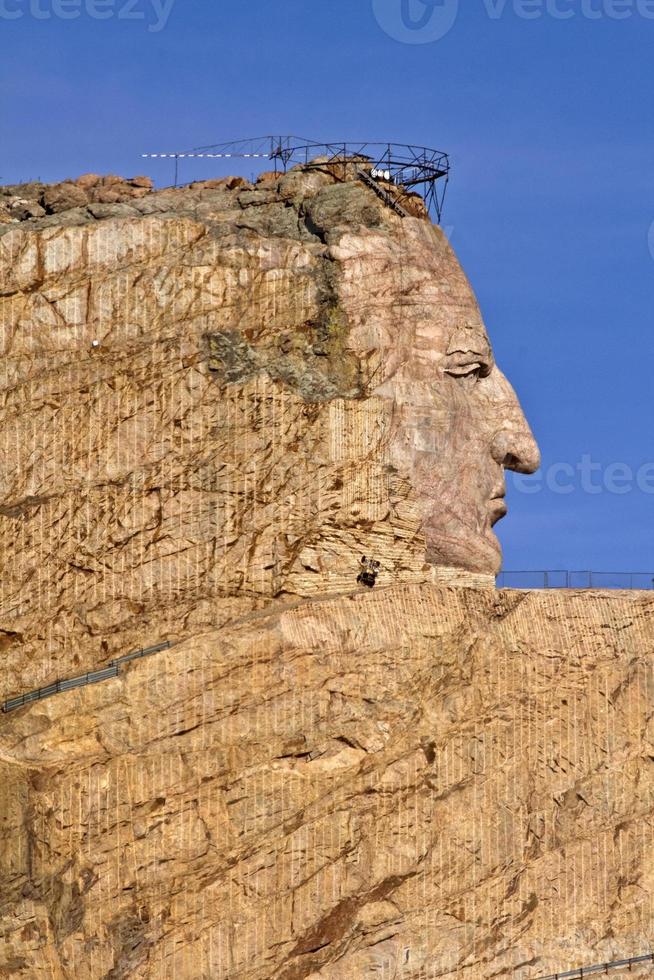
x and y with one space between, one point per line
369 572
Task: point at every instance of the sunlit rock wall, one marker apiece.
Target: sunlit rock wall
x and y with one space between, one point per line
316 781
183 432
415 782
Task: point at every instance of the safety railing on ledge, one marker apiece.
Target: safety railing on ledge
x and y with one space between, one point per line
92 677
562 579
588 971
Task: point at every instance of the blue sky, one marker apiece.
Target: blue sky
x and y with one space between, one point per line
546 107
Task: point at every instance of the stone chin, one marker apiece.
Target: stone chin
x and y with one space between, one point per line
472 550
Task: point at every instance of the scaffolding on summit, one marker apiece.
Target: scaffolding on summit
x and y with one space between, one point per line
393 170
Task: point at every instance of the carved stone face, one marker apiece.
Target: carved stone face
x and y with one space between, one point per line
456 422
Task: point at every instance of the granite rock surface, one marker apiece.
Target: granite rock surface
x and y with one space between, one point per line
409 783
214 400
216 396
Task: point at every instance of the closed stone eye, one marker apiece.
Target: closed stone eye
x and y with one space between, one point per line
469 370
469 351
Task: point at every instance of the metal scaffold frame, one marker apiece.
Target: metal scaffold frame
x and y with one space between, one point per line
409 167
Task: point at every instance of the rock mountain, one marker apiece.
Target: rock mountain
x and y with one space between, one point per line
215 400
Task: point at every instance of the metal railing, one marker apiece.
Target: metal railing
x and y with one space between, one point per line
409 165
587 971
564 579
92 677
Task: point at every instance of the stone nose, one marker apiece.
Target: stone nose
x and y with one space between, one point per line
515 448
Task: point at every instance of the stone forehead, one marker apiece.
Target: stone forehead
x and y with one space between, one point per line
408 292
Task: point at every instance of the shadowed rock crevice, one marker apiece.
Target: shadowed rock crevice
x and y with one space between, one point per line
330 938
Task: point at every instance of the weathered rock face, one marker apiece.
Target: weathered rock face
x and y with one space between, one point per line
218 396
414 782
214 401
